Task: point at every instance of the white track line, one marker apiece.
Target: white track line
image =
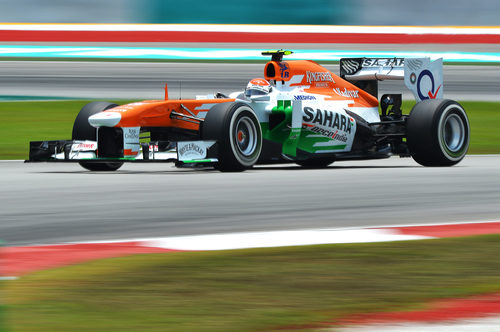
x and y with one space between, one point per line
8 278
241 240
255 28
278 239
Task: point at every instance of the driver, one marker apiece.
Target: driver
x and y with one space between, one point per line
258 87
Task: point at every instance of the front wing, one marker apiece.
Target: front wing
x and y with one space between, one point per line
184 152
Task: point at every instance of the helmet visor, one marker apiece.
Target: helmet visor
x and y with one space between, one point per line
254 92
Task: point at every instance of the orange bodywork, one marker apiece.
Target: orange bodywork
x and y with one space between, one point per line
306 75
318 80
157 113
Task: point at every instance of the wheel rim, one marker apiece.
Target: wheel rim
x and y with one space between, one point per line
246 137
454 133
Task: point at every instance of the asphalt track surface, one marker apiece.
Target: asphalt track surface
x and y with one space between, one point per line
139 80
51 203
42 203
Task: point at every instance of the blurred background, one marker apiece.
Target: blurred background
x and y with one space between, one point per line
330 12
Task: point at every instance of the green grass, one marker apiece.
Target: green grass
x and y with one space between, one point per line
25 121
253 289
485 126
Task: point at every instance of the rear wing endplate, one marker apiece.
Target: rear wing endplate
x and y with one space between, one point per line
423 77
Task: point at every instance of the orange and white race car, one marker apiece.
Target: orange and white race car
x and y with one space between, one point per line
297 112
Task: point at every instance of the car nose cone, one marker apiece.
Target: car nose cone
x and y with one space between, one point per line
105 119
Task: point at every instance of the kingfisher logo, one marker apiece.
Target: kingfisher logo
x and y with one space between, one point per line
319 76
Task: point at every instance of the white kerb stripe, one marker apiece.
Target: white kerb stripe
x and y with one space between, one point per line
278 239
8 278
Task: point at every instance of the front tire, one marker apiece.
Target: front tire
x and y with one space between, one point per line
82 130
237 130
438 132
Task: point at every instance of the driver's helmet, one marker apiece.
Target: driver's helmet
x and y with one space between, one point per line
257 87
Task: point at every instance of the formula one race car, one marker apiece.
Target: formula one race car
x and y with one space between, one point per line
299 112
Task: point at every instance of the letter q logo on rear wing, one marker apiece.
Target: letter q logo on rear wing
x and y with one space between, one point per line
423 77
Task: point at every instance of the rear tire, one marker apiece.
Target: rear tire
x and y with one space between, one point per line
237 130
82 130
438 132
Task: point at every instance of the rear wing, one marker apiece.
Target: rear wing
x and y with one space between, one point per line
423 77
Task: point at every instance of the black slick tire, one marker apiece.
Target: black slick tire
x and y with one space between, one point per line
237 130
438 132
82 130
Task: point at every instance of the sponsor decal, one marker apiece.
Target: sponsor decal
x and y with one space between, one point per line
284 69
84 147
330 121
194 150
191 149
295 134
432 93
414 64
153 147
304 97
319 76
350 66
383 62
413 78
347 93
131 134
424 77
131 140
334 135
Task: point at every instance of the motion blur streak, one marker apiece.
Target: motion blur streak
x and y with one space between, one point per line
147 80
277 34
351 12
